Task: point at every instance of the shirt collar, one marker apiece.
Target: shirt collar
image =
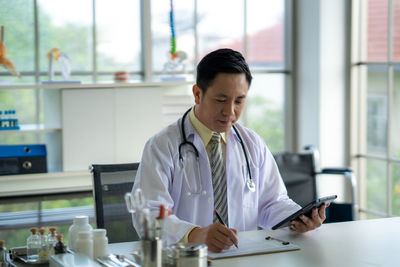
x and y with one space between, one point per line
204 133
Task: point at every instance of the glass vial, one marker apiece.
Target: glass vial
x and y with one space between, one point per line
33 245
44 249
60 247
51 240
3 253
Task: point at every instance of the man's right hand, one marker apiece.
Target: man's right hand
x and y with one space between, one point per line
216 236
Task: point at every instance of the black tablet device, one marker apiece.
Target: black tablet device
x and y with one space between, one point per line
306 210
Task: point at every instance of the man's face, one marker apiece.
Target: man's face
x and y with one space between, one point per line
222 104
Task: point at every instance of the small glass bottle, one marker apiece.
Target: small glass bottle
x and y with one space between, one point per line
60 247
33 245
80 224
51 240
100 243
3 253
84 244
44 249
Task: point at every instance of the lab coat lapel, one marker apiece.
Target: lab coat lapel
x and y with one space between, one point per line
234 179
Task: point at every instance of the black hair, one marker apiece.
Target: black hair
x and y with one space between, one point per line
223 60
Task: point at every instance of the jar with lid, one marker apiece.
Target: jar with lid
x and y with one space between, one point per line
60 247
84 244
3 253
100 243
44 249
33 245
51 240
80 224
187 254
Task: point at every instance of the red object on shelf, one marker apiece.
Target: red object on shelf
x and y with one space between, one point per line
121 76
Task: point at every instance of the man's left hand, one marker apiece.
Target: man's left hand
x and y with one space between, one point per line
305 223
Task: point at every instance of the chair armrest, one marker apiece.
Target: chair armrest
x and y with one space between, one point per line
336 171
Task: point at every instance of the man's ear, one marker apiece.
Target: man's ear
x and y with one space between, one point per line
196 93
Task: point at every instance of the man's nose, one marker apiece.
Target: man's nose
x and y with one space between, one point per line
229 109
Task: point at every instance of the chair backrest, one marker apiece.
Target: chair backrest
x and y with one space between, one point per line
298 174
111 182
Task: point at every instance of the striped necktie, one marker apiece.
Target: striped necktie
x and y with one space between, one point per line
218 178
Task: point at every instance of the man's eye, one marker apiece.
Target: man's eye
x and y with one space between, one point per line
238 102
220 100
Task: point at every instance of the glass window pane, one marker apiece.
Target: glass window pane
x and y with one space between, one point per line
395 114
161 33
265 109
67 25
17 215
396 189
265 34
377 105
376 185
396 31
17 19
218 28
118 35
22 101
378 30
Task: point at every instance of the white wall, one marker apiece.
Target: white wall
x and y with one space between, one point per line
321 83
321 78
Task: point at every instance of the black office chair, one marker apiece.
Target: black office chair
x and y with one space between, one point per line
111 182
299 172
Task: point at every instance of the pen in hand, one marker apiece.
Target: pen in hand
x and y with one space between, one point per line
222 222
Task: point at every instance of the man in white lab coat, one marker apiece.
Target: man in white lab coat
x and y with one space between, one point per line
171 174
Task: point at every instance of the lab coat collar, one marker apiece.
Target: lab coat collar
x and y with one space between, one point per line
193 136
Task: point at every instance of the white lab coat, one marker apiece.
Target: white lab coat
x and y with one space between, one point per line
162 181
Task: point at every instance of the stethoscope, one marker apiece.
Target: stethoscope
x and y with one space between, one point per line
249 181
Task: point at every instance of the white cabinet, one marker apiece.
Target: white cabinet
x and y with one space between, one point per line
108 125
102 123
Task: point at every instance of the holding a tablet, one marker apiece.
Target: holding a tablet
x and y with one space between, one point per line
305 211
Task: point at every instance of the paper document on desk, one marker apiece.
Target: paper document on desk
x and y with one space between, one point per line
254 246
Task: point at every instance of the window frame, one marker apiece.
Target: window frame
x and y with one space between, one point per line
359 93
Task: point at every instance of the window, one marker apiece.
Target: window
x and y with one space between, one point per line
254 28
102 37
19 214
376 66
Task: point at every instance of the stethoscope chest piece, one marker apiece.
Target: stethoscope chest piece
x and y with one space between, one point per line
251 185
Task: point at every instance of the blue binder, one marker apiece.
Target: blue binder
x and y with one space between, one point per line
23 159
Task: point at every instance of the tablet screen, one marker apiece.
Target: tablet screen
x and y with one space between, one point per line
306 210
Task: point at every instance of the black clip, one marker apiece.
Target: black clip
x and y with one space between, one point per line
276 239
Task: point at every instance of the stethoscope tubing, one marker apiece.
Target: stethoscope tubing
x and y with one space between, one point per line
250 182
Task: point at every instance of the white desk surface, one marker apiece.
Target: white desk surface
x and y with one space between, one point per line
359 243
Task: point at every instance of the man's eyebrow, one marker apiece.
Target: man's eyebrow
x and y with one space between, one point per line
222 95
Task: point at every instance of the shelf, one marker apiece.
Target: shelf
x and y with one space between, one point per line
45 183
31 128
129 84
